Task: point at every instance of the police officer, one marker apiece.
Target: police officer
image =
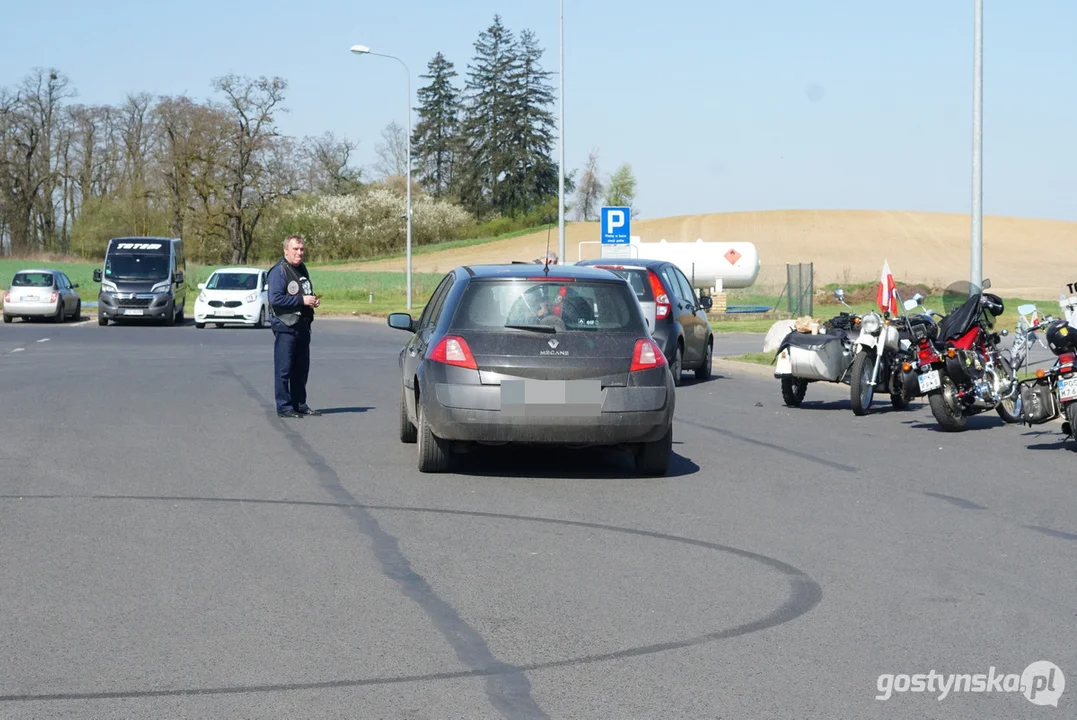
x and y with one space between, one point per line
291 303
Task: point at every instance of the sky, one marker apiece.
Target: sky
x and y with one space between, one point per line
718 106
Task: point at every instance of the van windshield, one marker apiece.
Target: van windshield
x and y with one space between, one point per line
136 266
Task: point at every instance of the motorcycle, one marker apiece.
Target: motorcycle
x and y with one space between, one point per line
962 371
1053 392
885 357
804 358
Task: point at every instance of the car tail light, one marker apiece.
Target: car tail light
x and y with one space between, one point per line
7 296
55 297
453 350
661 299
646 356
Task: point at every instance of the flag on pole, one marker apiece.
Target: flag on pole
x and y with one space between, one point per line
884 297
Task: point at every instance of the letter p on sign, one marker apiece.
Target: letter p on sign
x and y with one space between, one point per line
616 228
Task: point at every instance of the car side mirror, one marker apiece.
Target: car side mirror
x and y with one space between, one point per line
201 286
97 275
74 285
401 321
177 276
706 302
265 286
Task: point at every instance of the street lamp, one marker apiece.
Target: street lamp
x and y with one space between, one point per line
364 50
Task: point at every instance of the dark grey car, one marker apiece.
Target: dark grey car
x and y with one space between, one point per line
676 315
510 354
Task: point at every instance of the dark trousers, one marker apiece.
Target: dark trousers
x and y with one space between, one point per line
291 365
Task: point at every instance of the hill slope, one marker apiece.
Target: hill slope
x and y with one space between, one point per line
1023 257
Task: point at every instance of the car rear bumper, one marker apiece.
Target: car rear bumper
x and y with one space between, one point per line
620 415
30 309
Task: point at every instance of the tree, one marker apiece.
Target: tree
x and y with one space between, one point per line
621 190
327 166
435 137
533 171
589 192
392 152
487 133
253 151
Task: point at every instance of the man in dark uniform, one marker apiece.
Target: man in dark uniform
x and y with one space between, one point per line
291 303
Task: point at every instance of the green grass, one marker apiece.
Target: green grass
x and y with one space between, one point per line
754 358
433 247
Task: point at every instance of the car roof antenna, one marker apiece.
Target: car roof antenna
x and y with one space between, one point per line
546 259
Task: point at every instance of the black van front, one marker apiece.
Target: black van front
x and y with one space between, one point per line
142 279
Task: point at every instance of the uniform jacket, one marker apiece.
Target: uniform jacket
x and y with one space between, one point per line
287 286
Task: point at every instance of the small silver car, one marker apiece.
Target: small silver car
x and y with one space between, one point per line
42 293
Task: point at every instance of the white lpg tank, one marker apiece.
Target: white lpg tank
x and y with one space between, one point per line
717 265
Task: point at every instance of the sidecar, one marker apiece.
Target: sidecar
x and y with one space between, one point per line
805 358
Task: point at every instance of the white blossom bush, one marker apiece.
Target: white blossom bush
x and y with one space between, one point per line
372 223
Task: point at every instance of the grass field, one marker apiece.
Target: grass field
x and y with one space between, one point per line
845 247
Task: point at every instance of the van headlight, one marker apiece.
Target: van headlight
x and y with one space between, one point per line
161 288
108 287
870 323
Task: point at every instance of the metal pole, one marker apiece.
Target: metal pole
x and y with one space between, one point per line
977 149
409 186
561 164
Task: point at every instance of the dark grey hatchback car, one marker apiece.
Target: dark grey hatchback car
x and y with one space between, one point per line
534 355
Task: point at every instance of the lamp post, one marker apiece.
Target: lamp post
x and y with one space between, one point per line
977 147
561 164
364 50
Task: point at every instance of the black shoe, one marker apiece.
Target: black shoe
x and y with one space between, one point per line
289 413
309 411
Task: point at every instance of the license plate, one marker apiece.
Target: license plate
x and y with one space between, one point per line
29 298
930 381
1067 389
551 398
131 311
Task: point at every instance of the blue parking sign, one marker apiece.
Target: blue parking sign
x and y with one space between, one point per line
616 225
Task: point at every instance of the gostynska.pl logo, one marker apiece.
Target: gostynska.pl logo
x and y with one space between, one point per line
1041 683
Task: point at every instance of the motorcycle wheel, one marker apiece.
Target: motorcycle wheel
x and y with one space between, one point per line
793 390
1071 418
946 409
861 391
1009 410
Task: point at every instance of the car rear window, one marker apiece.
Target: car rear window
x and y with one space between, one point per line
637 279
32 280
570 305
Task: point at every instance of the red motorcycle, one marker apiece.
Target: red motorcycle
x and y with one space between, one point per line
961 370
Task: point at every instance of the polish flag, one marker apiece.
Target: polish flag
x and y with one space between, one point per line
885 296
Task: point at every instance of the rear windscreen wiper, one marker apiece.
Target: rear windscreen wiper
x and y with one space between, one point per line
536 328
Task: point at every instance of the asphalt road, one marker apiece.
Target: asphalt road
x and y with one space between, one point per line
173 549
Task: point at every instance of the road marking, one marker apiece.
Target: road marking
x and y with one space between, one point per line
18 350
43 340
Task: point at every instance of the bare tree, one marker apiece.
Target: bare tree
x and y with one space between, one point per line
250 141
392 152
589 191
327 167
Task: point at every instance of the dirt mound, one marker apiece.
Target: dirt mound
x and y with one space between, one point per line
866 294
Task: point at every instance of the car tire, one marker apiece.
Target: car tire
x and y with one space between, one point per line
703 372
408 432
652 458
433 453
7 318
676 368
261 319
78 310
59 317
101 319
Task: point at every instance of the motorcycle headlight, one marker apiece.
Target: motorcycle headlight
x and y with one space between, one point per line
251 298
870 323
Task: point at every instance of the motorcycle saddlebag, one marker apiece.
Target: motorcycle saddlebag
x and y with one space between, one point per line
964 367
1039 404
815 357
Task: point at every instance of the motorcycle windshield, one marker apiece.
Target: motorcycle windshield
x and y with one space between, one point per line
957 294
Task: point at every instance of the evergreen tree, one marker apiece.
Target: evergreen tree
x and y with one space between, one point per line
533 171
486 130
435 135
